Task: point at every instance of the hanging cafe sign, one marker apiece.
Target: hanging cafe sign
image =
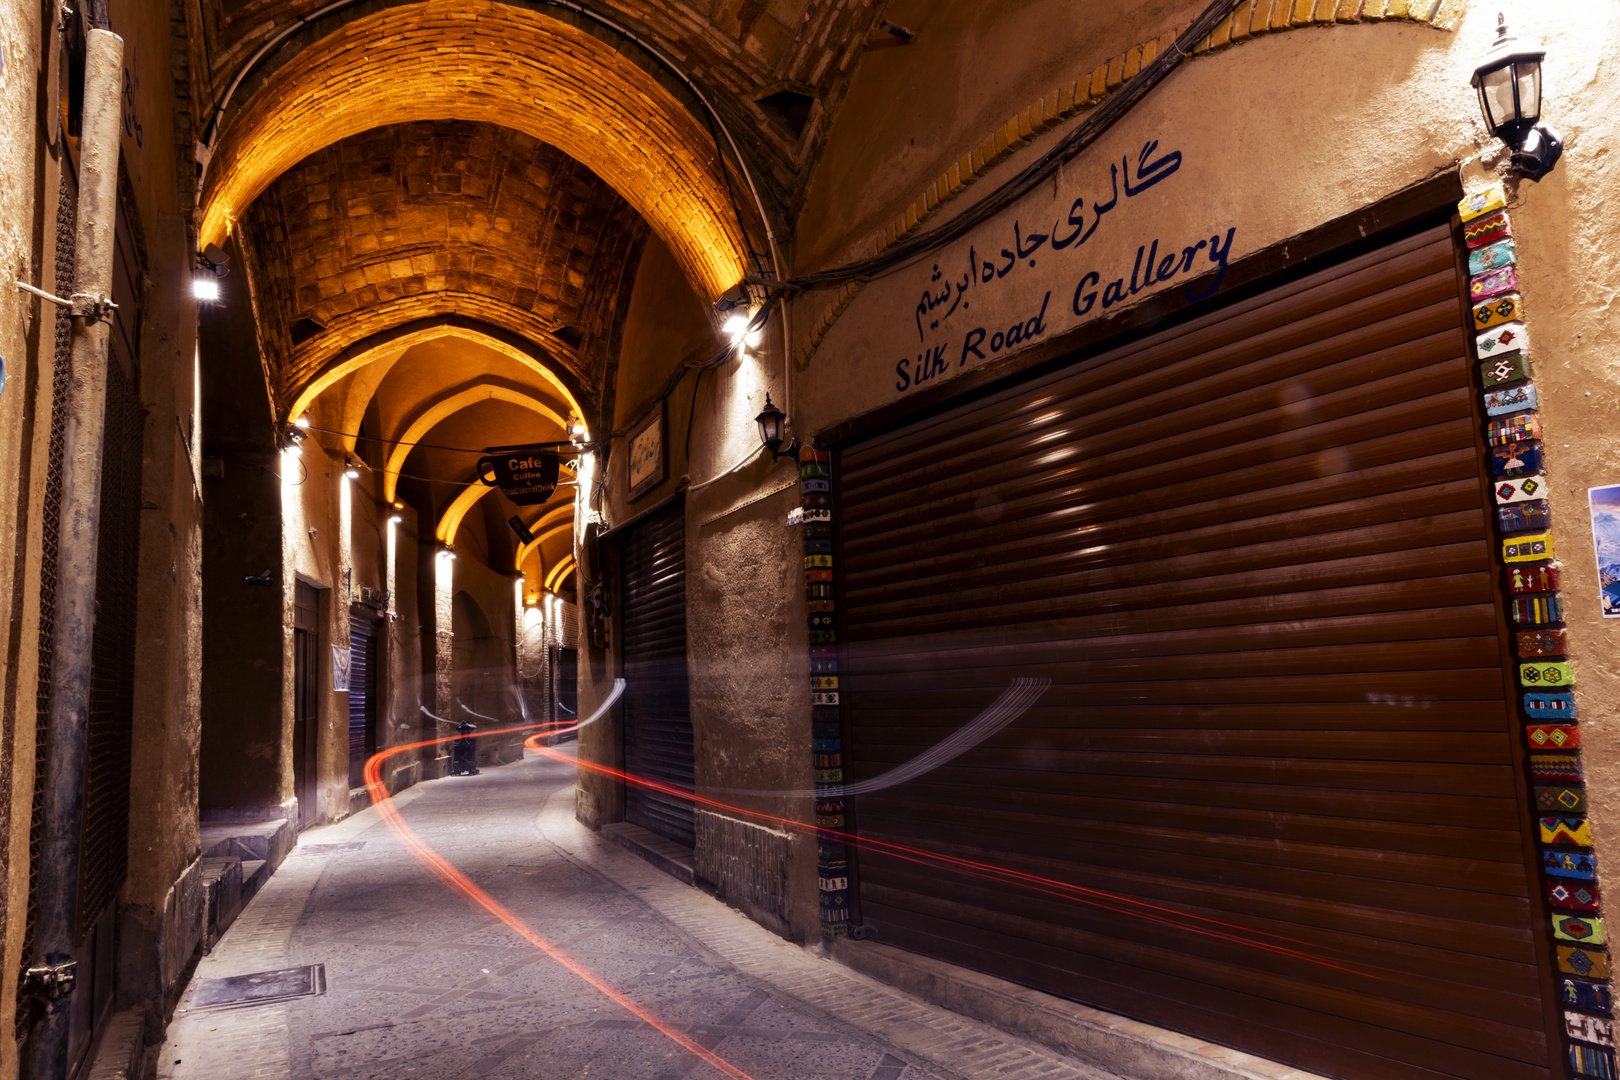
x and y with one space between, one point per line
525 474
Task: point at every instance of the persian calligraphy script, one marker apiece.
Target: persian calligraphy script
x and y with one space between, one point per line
947 299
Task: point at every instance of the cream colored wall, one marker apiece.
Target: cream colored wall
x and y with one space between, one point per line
163 838
749 694
310 494
1277 135
913 110
26 196
1274 136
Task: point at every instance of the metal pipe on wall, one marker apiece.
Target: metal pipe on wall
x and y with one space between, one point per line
56 930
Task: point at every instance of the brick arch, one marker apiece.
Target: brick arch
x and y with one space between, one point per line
394 339
501 64
542 527
450 402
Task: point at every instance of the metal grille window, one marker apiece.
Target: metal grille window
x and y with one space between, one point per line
112 683
50 533
657 714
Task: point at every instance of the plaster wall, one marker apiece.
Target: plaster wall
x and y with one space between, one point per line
311 527
399 715
745 634
1276 136
154 935
164 842
349 550
1271 137
27 245
913 110
483 649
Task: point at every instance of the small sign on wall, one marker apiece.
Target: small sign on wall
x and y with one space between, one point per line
649 453
340 669
1605 506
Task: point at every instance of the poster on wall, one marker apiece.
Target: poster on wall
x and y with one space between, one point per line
340 668
1605 506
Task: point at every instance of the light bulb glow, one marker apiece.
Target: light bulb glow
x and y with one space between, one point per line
736 327
352 473
205 289
302 421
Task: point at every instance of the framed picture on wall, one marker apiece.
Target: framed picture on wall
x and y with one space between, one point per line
649 452
340 669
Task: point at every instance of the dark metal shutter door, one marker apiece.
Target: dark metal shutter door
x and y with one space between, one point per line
362 697
657 716
1252 554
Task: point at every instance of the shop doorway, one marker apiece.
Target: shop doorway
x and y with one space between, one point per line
1252 555
657 713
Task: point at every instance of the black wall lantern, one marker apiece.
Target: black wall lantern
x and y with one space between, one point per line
1509 85
773 428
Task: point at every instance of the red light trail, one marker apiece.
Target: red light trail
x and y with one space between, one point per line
1122 905
454 879
440 869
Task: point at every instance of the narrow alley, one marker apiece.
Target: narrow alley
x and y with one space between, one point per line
418 984
808 539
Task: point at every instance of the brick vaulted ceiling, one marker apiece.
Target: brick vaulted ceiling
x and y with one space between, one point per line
414 223
742 52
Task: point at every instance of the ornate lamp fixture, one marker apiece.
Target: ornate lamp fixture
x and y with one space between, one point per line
773 429
1509 85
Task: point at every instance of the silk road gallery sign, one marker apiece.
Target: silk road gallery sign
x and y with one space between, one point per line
1085 245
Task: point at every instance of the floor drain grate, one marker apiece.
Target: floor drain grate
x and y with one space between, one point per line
330 849
262 987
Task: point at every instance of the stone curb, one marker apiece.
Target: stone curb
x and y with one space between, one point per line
1116 1043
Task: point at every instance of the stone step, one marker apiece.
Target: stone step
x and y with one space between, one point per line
120 1052
255 872
222 895
672 858
260 840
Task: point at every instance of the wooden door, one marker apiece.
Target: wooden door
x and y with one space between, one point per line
306 700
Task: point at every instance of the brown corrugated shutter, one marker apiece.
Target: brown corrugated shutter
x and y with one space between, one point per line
1252 554
657 713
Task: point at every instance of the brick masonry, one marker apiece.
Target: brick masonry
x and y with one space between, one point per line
745 862
738 50
437 218
497 63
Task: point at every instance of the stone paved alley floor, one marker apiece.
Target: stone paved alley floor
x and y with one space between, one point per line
419 984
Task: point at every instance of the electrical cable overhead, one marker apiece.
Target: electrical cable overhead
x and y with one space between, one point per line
1107 114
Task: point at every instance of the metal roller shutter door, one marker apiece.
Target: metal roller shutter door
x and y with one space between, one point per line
1253 556
362 696
657 715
